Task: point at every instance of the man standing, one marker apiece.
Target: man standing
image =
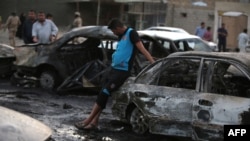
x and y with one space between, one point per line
44 31
222 38
77 23
12 24
27 27
122 62
200 30
77 20
208 36
243 39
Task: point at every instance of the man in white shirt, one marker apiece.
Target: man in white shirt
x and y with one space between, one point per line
44 31
243 39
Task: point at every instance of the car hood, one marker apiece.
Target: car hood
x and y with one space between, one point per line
6 51
26 54
15 125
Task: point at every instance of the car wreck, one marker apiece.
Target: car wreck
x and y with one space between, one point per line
48 65
187 94
17 126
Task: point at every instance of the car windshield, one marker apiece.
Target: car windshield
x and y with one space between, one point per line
192 44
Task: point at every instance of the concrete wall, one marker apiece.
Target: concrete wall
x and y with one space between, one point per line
189 17
222 7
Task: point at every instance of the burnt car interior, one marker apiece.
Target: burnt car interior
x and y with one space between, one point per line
227 79
181 73
87 51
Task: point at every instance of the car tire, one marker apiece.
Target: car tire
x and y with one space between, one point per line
138 122
48 80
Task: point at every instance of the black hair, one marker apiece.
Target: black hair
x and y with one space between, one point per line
114 23
13 13
32 10
49 15
245 30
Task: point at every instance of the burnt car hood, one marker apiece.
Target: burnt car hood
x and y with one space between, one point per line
6 51
17 126
25 55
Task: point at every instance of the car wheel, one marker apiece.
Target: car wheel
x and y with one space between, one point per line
138 122
48 80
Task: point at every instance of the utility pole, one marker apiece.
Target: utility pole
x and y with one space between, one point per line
98 12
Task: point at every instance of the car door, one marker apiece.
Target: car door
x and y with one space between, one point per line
224 99
171 97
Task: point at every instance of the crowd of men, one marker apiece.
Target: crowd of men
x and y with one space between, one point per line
37 27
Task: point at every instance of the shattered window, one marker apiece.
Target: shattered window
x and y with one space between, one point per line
149 76
179 73
227 79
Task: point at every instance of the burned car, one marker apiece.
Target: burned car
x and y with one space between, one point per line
6 60
187 94
15 126
48 65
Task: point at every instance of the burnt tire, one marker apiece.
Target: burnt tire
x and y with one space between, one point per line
49 80
138 122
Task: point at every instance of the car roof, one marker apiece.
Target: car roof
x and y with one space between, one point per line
241 57
167 35
166 28
95 31
100 32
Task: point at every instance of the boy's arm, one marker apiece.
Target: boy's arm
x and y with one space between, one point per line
142 49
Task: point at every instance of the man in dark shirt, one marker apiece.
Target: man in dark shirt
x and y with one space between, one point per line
27 27
222 38
122 60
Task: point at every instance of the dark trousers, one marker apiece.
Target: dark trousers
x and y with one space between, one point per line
114 80
222 46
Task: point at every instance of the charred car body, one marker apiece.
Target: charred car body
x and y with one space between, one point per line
53 63
187 94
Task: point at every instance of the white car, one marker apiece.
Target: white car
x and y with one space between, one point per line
183 42
169 29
